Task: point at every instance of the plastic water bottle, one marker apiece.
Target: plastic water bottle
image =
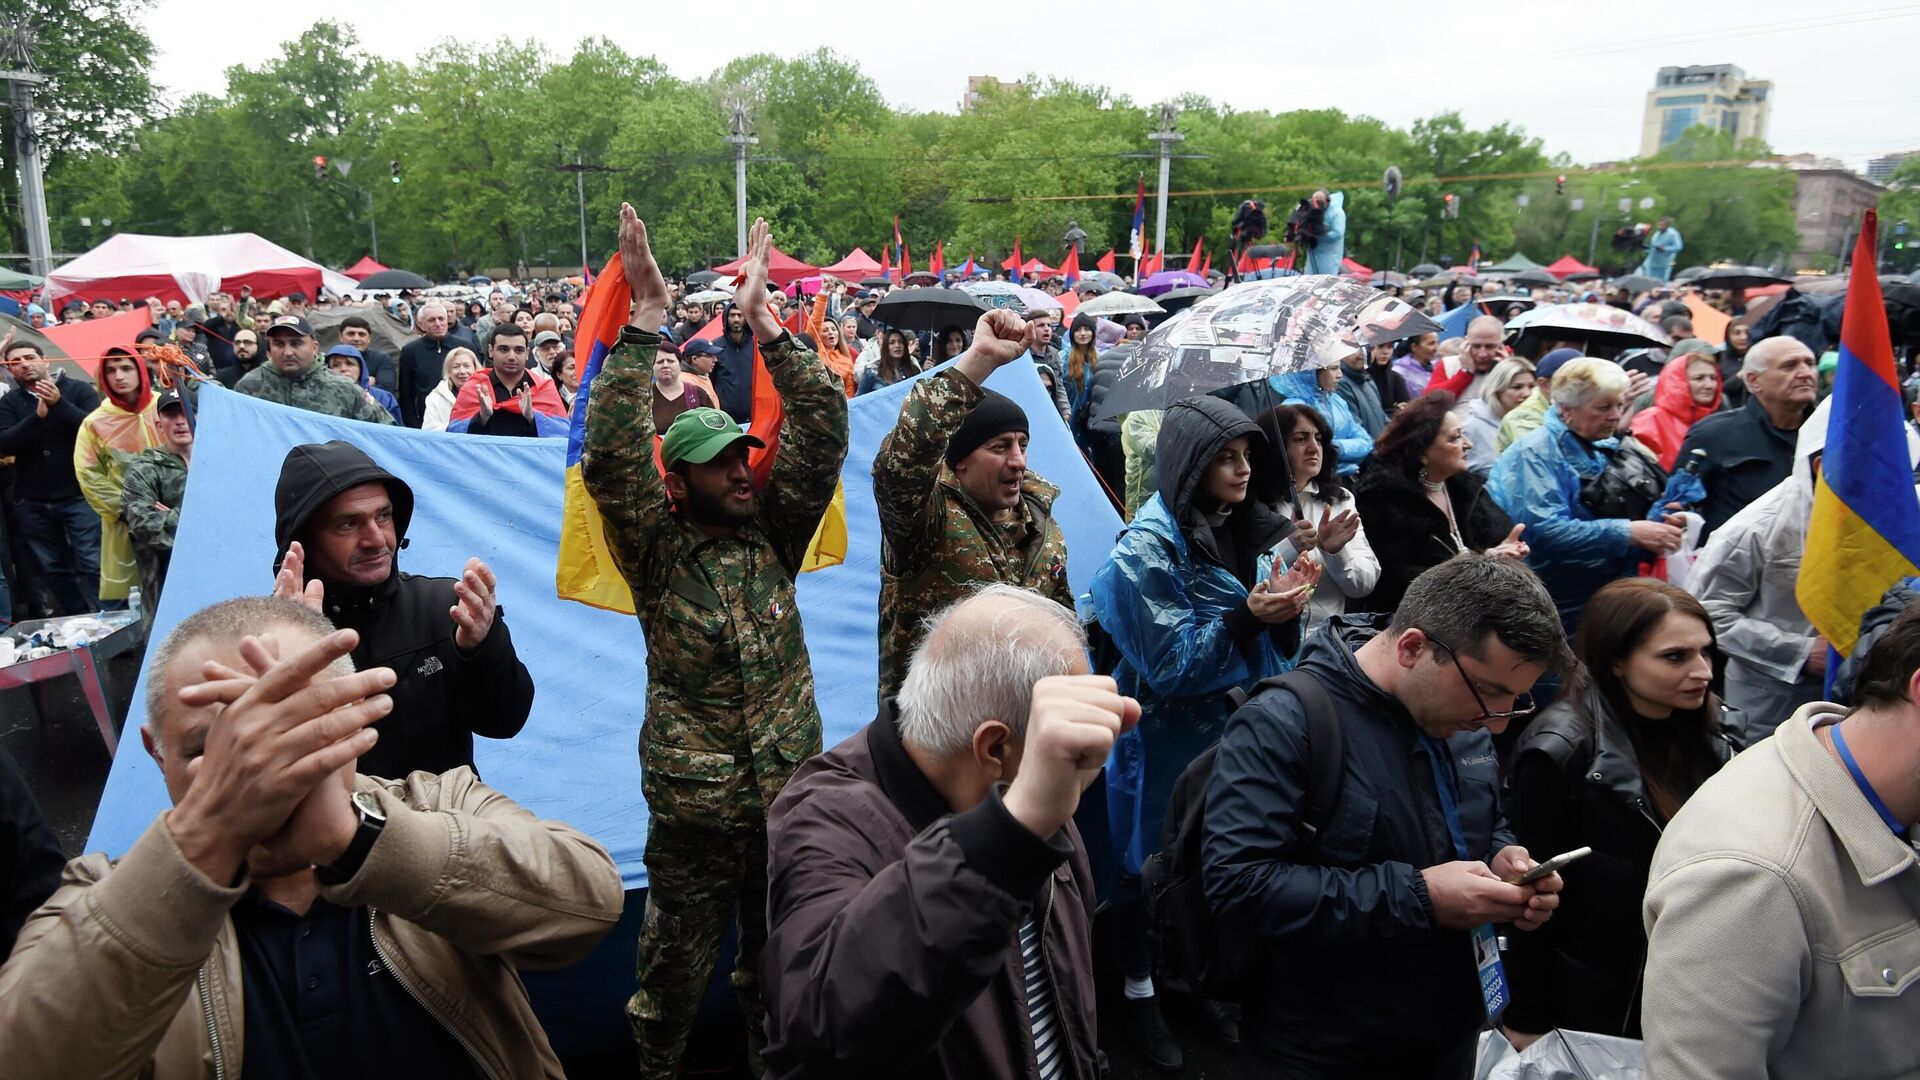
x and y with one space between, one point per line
133 603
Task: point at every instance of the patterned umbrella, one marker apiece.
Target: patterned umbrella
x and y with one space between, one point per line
1256 329
1590 324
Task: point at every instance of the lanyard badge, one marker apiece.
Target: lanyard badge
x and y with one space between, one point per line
1486 945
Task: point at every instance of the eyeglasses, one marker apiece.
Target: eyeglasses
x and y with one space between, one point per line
1522 703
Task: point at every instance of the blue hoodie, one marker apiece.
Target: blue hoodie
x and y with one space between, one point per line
381 397
1326 256
1349 438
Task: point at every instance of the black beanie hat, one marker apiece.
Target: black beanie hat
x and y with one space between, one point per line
996 415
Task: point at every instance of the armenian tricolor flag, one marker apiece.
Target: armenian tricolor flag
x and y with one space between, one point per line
939 264
1070 269
585 571
1865 530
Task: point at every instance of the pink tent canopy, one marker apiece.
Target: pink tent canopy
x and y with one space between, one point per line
782 268
1566 266
1353 269
856 265
364 269
189 269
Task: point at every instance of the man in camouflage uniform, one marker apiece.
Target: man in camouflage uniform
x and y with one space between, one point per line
293 375
730 706
958 507
156 483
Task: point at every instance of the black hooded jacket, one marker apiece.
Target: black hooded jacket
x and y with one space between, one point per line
1358 978
443 696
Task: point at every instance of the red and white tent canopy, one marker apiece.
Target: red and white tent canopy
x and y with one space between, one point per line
189 269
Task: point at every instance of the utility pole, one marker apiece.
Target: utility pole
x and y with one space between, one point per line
738 137
16 69
1166 137
580 169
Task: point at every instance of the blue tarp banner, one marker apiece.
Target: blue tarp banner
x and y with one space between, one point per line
577 760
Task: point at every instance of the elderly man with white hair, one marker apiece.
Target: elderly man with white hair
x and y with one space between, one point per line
1538 483
423 360
1750 449
930 904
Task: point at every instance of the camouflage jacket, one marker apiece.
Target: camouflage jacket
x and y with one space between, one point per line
156 478
730 707
937 543
317 390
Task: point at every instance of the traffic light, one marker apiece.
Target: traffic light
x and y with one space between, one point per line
1450 205
319 168
1560 185
394 168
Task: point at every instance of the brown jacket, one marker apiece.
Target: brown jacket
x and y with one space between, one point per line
132 968
893 944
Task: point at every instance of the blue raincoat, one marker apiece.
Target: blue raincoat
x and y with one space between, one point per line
1661 249
1537 482
1326 256
1349 437
1167 605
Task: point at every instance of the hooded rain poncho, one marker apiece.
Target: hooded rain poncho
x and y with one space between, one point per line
109 438
1179 616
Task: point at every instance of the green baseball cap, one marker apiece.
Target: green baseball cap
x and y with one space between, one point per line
699 435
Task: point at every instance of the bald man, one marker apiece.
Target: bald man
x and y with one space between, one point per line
1483 350
1750 449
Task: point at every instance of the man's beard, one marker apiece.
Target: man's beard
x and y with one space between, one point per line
704 509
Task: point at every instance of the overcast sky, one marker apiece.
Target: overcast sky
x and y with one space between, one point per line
1574 74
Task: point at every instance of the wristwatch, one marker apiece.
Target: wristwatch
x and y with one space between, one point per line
372 820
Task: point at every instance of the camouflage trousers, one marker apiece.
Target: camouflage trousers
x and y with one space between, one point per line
695 878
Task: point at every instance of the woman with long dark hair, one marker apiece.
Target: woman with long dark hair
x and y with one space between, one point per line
1419 502
1083 355
1326 526
1607 767
894 363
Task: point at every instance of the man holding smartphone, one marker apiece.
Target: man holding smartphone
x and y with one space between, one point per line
1379 952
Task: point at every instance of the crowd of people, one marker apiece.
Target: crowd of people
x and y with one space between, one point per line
1362 659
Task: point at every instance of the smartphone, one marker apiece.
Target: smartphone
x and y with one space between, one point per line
1554 865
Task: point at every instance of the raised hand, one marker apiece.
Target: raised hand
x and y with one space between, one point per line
484 398
1337 529
473 613
288 583
650 295
999 338
1283 596
1071 725
751 295
277 737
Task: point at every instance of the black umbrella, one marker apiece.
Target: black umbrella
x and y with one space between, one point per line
921 277
1423 270
876 281
1637 283
927 309
703 277
1738 277
1265 251
1175 299
1384 278
1692 272
1535 277
1585 275
395 279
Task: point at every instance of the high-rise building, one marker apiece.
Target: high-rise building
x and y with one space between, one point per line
1880 169
1719 96
980 84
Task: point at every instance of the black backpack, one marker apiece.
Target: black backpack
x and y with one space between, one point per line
1194 956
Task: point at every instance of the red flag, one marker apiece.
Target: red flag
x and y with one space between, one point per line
1070 270
1245 265
1155 263
1013 274
1193 260
886 262
899 247
939 263
1105 262
1207 266
906 261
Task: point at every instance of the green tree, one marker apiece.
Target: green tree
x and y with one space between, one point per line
1900 206
94 57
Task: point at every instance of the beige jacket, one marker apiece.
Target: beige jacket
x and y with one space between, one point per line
132 969
1783 924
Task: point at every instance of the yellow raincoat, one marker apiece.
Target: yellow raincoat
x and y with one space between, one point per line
109 439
